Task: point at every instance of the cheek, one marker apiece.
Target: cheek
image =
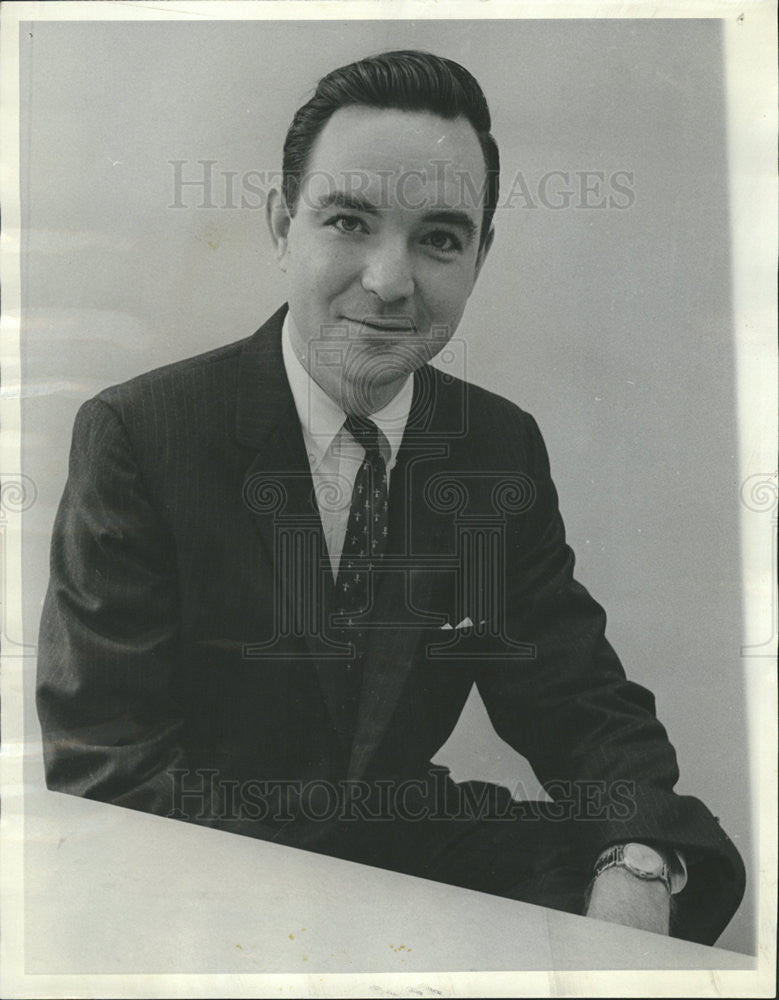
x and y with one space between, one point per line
445 293
324 271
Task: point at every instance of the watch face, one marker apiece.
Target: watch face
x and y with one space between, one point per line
644 860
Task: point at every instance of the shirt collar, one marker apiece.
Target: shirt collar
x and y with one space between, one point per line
321 419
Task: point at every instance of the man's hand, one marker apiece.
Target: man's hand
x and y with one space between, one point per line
623 898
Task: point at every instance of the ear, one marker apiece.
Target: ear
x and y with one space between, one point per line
484 249
279 219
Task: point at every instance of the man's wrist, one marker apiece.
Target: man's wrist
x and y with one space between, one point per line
619 897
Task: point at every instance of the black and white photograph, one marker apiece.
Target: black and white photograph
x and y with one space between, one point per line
389 500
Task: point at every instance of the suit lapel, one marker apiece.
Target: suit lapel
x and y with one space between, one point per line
277 487
279 493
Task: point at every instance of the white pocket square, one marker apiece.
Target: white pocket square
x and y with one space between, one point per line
465 623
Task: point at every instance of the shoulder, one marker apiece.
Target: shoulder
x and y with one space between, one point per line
195 382
484 403
202 370
159 411
489 405
195 397
494 425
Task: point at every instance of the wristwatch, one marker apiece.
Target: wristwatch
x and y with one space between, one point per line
642 861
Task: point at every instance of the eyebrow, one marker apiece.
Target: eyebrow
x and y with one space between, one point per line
355 203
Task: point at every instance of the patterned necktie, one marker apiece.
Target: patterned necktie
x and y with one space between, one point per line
364 544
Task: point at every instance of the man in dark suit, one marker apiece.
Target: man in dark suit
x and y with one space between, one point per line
279 568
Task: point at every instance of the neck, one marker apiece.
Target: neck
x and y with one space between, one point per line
362 400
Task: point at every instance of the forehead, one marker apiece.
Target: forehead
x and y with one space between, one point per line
417 154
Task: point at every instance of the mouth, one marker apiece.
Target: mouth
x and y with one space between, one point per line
384 325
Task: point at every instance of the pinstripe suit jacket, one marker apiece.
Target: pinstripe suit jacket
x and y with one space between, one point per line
185 625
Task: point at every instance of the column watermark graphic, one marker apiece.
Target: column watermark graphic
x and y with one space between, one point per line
18 493
760 495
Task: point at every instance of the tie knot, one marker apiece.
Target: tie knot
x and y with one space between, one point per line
366 433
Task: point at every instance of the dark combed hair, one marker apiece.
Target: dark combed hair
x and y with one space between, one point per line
403 80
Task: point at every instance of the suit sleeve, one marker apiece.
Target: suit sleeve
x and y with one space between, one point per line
111 728
591 735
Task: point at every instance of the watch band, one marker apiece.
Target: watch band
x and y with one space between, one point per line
641 861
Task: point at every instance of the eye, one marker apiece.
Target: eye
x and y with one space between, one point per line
347 224
443 242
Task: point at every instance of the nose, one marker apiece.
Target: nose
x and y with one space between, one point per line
388 271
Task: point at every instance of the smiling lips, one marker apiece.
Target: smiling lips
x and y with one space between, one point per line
384 325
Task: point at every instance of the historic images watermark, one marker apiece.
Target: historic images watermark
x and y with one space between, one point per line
207 184
204 794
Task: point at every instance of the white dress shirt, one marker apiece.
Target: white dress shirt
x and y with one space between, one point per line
333 454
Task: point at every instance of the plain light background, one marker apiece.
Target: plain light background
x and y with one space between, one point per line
612 326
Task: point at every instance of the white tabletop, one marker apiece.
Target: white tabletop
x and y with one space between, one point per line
110 890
